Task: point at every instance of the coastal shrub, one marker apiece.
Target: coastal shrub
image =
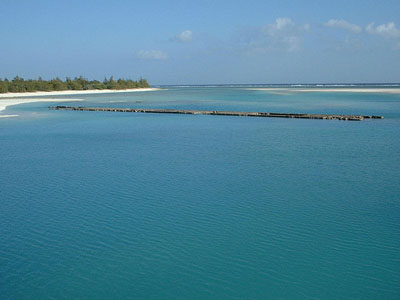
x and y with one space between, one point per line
20 85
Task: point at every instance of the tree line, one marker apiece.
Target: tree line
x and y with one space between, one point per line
20 85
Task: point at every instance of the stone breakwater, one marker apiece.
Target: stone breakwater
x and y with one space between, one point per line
220 113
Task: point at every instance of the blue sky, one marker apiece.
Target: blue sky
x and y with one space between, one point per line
202 42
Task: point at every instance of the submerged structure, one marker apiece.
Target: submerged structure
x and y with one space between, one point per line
220 113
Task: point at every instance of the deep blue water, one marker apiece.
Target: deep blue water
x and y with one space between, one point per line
141 206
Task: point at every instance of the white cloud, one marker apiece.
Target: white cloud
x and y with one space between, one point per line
388 30
151 54
281 24
284 25
342 24
184 37
283 34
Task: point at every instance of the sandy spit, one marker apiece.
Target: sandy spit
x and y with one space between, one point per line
9 99
343 90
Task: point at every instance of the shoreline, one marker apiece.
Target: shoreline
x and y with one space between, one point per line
331 90
73 92
10 99
10 102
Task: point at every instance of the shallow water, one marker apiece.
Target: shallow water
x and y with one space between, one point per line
142 206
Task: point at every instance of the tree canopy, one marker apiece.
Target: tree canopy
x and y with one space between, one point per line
20 85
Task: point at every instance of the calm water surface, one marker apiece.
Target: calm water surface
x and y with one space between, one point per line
142 206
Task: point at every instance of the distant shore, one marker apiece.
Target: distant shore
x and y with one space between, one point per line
328 89
22 98
72 92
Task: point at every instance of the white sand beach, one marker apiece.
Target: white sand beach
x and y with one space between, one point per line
330 90
4 103
10 99
63 93
8 116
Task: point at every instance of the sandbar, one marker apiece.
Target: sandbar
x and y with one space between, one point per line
330 90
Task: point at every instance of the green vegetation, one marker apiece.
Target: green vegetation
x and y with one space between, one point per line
20 85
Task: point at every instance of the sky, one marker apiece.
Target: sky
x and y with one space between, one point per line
203 42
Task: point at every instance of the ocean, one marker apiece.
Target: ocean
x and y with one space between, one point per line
103 205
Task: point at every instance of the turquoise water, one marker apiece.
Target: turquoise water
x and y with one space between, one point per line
141 206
